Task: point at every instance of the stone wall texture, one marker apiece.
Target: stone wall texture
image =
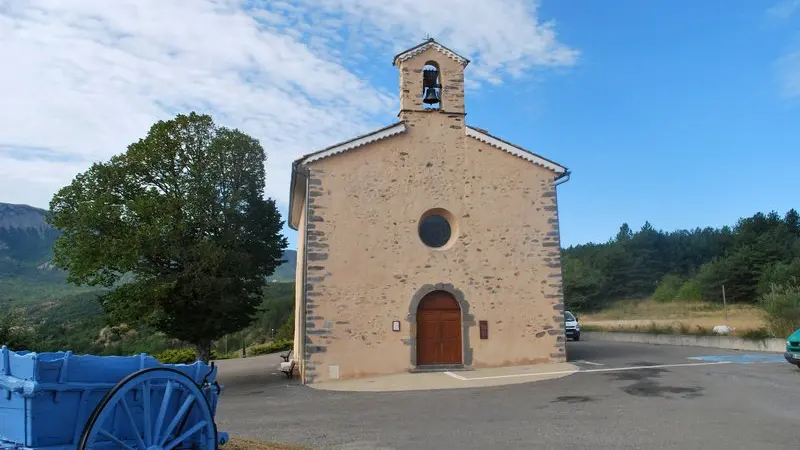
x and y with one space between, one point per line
366 262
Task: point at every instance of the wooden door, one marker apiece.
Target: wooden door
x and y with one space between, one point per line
438 330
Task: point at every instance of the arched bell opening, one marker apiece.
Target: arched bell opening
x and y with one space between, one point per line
431 86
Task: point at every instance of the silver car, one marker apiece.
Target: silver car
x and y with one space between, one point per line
572 326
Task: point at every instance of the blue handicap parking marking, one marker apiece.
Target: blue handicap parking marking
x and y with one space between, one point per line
743 358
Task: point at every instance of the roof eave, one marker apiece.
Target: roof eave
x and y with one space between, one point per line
430 41
293 224
494 141
564 176
360 141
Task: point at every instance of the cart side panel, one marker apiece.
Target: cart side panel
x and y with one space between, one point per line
13 417
46 418
104 369
57 418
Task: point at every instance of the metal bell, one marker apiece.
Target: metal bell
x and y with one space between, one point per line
430 83
431 96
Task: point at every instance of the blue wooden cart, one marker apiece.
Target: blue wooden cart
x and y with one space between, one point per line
61 401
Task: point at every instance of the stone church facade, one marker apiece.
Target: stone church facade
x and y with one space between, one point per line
428 244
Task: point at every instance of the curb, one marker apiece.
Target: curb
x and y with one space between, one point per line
775 345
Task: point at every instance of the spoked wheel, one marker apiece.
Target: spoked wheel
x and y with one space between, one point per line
152 409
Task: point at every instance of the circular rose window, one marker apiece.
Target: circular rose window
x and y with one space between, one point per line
435 228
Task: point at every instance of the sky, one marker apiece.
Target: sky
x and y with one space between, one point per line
680 113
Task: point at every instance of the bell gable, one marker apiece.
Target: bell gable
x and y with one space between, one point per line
431 79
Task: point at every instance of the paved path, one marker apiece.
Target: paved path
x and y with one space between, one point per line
616 403
485 377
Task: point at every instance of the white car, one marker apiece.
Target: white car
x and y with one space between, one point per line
572 326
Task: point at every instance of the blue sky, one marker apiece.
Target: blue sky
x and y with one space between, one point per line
681 113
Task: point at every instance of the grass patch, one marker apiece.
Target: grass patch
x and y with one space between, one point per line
756 334
653 328
697 318
247 444
650 309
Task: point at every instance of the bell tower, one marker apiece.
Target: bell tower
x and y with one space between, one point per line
431 79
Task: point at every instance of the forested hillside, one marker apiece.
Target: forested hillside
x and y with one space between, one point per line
40 311
46 317
750 258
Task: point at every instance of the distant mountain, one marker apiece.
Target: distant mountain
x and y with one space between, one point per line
286 271
26 240
26 246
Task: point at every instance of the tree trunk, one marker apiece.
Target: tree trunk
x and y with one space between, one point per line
202 351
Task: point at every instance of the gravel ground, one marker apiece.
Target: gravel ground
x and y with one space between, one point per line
735 405
247 444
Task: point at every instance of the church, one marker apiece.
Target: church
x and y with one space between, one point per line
428 244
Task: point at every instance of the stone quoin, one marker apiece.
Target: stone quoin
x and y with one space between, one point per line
432 224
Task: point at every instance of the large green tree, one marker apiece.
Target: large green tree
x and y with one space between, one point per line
179 226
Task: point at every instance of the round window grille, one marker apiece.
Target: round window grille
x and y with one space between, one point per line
435 230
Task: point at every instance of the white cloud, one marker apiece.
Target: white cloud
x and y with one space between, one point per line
783 9
788 65
498 36
82 80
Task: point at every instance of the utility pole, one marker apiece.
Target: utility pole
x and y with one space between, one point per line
725 305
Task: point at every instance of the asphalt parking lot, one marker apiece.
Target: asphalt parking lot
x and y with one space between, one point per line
627 396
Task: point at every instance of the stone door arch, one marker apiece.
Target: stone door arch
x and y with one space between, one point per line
439 315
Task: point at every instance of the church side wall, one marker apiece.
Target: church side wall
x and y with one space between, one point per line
299 317
366 262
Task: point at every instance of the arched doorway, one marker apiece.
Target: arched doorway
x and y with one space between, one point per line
439 330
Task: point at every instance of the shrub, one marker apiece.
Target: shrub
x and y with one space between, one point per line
286 331
176 356
181 356
667 289
690 291
13 335
782 309
779 273
271 347
758 334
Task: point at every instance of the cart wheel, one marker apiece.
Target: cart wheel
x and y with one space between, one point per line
133 415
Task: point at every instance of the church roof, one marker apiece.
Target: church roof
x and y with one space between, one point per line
483 136
430 43
298 176
364 139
